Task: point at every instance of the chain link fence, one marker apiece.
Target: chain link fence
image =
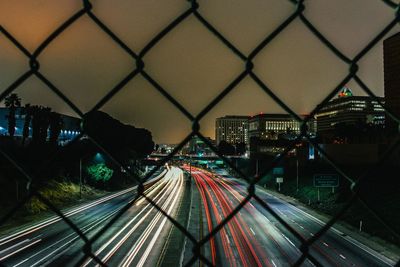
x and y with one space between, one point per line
299 6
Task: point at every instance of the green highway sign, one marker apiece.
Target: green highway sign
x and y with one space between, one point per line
326 180
277 171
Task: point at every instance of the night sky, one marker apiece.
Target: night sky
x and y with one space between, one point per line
190 63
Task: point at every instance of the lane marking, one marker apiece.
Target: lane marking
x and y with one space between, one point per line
289 240
21 249
7 249
252 231
273 263
326 245
67 214
347 238
343 257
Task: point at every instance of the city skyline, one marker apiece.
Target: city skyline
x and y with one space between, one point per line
190 63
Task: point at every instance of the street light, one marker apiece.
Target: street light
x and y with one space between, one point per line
297 174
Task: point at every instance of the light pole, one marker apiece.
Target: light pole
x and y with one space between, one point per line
256 167
190 165
297 174
80 177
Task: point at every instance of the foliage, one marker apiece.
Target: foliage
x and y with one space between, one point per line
99 172
225 148
60 194
27 111
118 138
40 123
12 102
56 124
240 148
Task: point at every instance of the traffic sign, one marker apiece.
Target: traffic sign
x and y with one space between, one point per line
277 171
279 180
326 180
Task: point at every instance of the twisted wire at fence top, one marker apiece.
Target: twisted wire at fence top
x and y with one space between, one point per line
298 13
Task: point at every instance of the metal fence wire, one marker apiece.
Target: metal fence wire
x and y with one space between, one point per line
299 6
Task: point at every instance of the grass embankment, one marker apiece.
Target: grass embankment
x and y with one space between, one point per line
61 194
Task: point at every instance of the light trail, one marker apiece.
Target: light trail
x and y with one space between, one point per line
166 181
236 226
157 234
239 195
169 202
18 250
221 205
84 229
70 213
167 191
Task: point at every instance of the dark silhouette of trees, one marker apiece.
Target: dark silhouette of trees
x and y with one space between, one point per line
56 124
240 148
358 132
27 111
12 102
115 136
40 124
225 148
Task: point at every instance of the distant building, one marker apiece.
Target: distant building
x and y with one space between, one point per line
232 129
276 126
165 148
391 60
70 129
349 109
198 147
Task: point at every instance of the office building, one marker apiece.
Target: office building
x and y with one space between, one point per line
350 110
391 60
232 129
276 126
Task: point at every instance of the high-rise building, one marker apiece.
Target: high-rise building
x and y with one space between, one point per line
391 59
350 110
232 129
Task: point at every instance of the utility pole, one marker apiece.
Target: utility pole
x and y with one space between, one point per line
297 174
190 165
80 177
256 167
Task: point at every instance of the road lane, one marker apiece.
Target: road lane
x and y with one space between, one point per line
273 245
53 242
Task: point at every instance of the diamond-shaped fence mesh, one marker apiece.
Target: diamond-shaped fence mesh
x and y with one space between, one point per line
299 6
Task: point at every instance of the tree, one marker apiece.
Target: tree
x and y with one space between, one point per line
12 102
40 124
56 124
118 138
240 148
28 117
100 172
225 148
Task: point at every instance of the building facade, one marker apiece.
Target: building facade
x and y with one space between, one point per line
70 128
350 110
391 60
276 126
232 129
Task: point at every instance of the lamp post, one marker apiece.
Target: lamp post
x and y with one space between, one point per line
80 177
297 174
256 167
190 165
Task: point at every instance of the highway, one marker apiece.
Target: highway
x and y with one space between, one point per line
255 238
136 239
